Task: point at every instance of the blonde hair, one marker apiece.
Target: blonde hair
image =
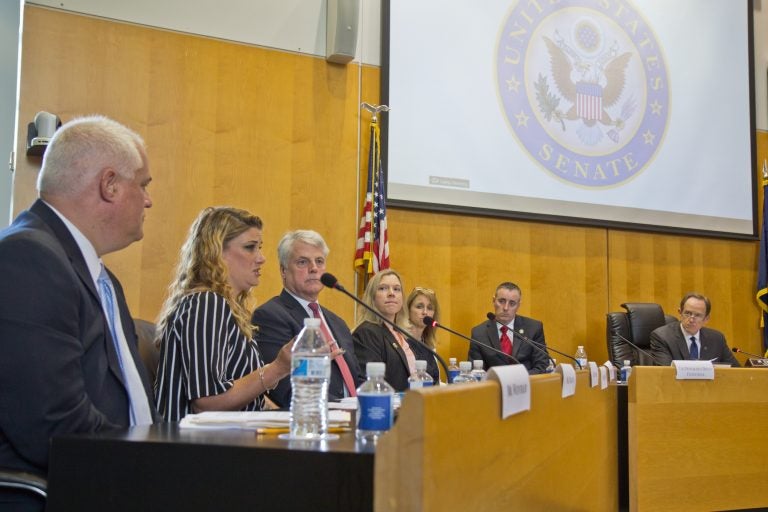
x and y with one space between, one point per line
401 318
428 334
201 266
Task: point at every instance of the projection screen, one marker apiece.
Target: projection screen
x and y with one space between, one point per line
635 114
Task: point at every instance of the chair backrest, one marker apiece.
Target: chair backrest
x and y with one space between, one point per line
636 324
149 352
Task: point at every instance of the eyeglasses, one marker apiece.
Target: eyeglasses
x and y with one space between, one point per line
695 316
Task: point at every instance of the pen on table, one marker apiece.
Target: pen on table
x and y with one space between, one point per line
285 430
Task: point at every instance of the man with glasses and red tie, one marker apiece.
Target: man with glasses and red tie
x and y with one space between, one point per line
302 256
689 339
509 333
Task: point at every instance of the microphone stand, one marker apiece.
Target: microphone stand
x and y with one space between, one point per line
625 340
330 281
429 321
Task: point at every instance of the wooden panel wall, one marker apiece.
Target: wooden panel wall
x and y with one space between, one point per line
278 133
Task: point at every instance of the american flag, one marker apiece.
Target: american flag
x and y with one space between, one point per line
372 251
762 268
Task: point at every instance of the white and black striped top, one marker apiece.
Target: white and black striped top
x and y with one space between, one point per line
202 352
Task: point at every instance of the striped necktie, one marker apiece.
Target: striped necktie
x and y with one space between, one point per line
349 382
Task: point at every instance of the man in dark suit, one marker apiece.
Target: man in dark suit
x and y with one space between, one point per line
500 334
62 370
689 339
302 256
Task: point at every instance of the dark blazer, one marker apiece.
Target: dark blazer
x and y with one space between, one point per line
668 344
59 372
279 320
487 332
374 343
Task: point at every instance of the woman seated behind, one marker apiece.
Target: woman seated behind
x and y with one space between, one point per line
377 341
209 359
421 303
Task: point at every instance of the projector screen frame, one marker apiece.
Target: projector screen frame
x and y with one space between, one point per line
565 219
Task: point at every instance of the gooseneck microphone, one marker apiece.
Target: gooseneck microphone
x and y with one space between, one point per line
738 350
535 344
622 338
331 282
429 321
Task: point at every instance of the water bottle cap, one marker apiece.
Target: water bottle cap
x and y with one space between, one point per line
311 322
452 360
465 366
580 347
626 362
478 364
421 365
375 369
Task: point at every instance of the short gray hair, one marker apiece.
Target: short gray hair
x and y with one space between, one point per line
309 237
83 147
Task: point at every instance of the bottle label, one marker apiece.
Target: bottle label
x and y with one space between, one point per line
375 412
311 367
427 383
452 374
415 384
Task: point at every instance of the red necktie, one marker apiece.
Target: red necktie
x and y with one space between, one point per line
506 343
349 382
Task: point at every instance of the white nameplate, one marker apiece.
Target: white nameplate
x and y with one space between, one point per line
694 370
603 377
569 379
611 370
515 388
594 377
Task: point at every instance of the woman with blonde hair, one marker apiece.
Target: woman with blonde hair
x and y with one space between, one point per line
377 341
209 359
422 303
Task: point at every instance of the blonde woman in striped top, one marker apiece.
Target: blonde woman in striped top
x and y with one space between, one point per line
209 358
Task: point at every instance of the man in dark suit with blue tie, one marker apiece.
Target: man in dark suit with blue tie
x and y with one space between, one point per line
302 256
689 339
499 333
62 370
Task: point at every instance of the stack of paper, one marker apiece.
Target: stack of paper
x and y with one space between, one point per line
254 420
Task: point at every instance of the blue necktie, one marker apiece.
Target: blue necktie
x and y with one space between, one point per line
694 348
139 405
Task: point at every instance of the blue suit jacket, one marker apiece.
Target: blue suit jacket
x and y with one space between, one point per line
59 372
279 320
487 332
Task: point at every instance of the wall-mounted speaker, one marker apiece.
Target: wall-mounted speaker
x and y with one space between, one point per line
341 30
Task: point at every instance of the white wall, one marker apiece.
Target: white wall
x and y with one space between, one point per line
761 63
10 12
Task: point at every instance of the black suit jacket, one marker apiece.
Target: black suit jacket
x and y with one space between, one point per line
668 344
282 318
59 372
374 343
534 360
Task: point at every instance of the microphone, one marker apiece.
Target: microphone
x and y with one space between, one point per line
737 349
429 321
330 281
625 340
538 346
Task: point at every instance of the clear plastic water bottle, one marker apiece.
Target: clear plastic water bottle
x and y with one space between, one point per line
420 378
552 365
625 372
453 370
375 399
581 357
310 374
477 370
465 375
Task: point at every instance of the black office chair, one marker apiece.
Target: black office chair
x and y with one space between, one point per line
148 351
636 325
22 482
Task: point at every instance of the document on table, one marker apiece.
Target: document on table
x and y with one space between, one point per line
254 420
